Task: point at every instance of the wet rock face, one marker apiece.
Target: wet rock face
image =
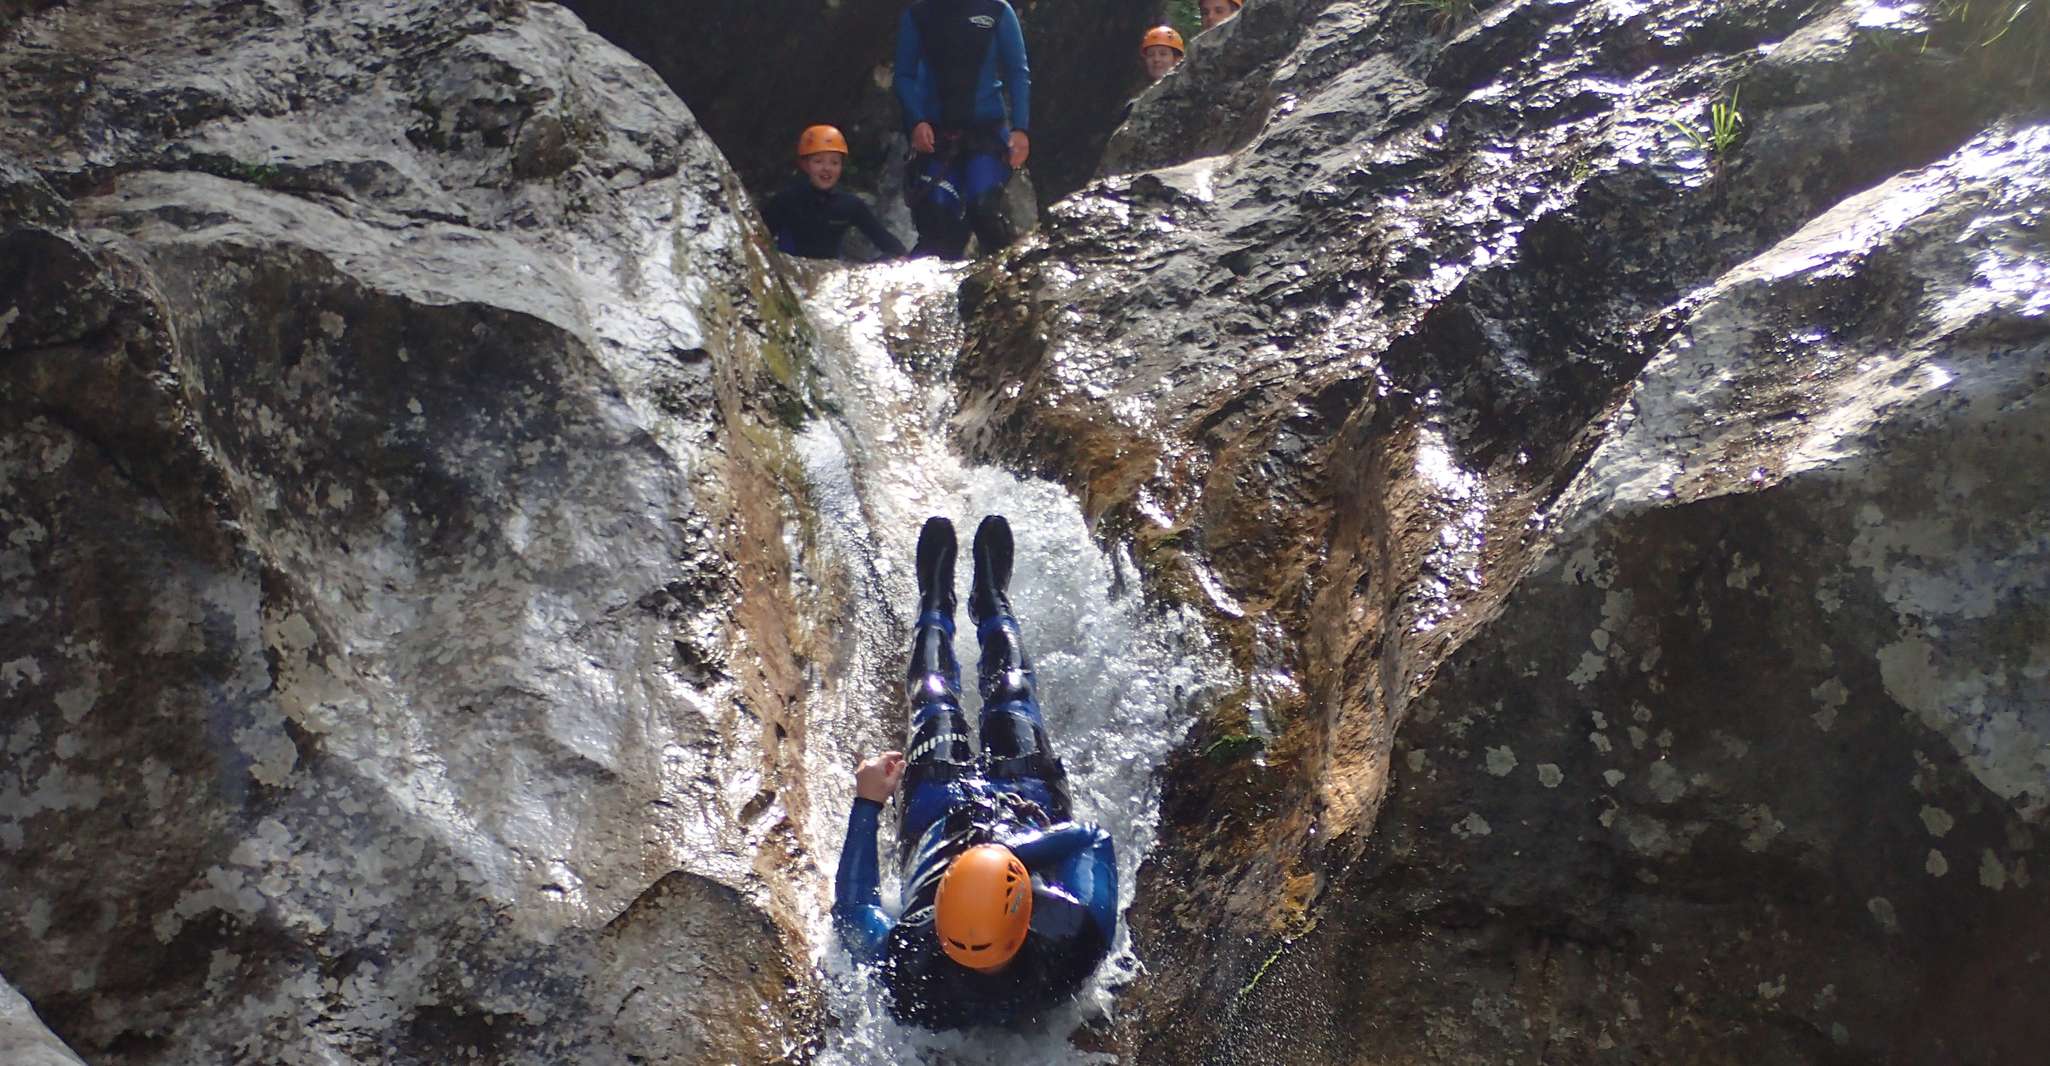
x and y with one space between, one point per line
755 72
1640 628
1758 736
394 406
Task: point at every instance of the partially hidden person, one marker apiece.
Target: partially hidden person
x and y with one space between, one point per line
965 87
811 215
1008 903
1160 51
1214 12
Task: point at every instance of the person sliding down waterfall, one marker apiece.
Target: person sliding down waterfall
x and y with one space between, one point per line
957 62
1009 904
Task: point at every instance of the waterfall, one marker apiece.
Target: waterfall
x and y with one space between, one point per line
1119 678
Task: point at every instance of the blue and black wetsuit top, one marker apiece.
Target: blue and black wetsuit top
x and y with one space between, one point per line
811 222
1014 792
1074 911
958 61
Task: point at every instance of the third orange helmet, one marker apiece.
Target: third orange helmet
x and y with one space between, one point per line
1165 35
820 139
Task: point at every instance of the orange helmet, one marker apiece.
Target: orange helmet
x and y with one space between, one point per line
820 139
1164 35
983 908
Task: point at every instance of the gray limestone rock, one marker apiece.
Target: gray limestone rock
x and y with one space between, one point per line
395 405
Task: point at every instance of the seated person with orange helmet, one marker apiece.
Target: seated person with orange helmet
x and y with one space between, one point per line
1214 12
810 215
1008 903
1161 51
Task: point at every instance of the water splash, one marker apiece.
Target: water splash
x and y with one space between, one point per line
1119 679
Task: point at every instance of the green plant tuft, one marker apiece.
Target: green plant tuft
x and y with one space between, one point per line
1719 137
1232 746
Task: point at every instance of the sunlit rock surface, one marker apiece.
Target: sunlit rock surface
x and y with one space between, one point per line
395 411
1626 547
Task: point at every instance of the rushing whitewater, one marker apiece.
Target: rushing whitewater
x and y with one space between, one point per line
1117 676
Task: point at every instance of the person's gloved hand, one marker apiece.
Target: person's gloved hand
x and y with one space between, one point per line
877 778
921 138
1021 146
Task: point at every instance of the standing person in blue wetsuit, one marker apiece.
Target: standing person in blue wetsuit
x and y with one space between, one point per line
1008 903
958 61
811 215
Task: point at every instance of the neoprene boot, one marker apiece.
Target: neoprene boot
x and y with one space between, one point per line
989 594
936 550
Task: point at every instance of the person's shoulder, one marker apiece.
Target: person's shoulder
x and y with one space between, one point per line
911 954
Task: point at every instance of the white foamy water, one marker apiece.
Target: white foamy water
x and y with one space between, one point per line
1119 681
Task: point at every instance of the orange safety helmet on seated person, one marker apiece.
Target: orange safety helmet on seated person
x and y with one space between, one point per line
1163 35
820 139
983 908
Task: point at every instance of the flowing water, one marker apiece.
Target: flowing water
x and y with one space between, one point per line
1120 679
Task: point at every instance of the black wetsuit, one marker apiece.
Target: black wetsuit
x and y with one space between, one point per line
810 221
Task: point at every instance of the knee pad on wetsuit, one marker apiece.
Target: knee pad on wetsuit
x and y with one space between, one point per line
939 743
1016 745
